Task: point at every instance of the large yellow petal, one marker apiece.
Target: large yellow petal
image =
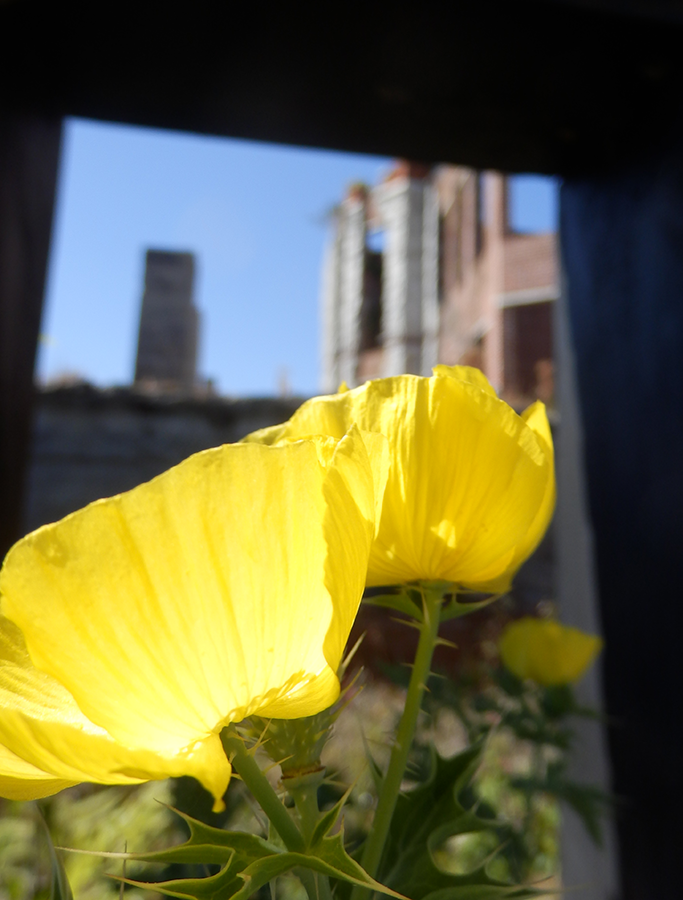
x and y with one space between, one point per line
466 373
536 418
20 780
42 726
471 484
211 593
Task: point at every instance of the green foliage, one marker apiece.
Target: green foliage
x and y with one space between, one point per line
249 862
86 817
425 818
587 801
537 723
60 889
30 867
25 869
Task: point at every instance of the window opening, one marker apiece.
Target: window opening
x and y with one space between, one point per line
371 306
532 204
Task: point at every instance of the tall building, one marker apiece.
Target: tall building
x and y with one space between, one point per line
425 268
169 324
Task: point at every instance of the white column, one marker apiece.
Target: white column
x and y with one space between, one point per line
430 280
330 307
352 257
401 205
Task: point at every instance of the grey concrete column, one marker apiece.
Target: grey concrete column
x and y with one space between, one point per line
330 307
352 256
583 864
430 280
401 205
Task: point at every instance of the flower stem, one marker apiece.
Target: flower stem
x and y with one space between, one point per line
246 766
374 846
316 886
303 789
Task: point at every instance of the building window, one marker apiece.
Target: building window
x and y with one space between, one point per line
371 306
480 212
441 261
528 352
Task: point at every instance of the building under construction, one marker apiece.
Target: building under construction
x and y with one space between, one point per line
425 268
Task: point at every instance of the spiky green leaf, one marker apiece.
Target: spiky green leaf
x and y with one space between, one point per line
328 819
210 846
425 818
249 863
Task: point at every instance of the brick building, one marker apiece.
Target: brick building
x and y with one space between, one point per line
425 268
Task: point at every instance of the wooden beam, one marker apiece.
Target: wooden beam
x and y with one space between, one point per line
29 156
516 85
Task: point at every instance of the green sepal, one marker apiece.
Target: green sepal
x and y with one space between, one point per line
508 682
400 602
455 608
558 701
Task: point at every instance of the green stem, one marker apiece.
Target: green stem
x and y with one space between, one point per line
246 766
303 789
374 847
317 886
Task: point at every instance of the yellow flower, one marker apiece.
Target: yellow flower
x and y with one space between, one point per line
546 651
471 486
134 630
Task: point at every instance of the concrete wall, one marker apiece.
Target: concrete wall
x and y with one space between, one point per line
89 443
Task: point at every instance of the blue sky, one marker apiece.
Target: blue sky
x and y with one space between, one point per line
254 214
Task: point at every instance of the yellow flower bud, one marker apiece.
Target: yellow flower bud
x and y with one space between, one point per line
546 651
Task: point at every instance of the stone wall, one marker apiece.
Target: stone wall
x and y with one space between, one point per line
90 443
